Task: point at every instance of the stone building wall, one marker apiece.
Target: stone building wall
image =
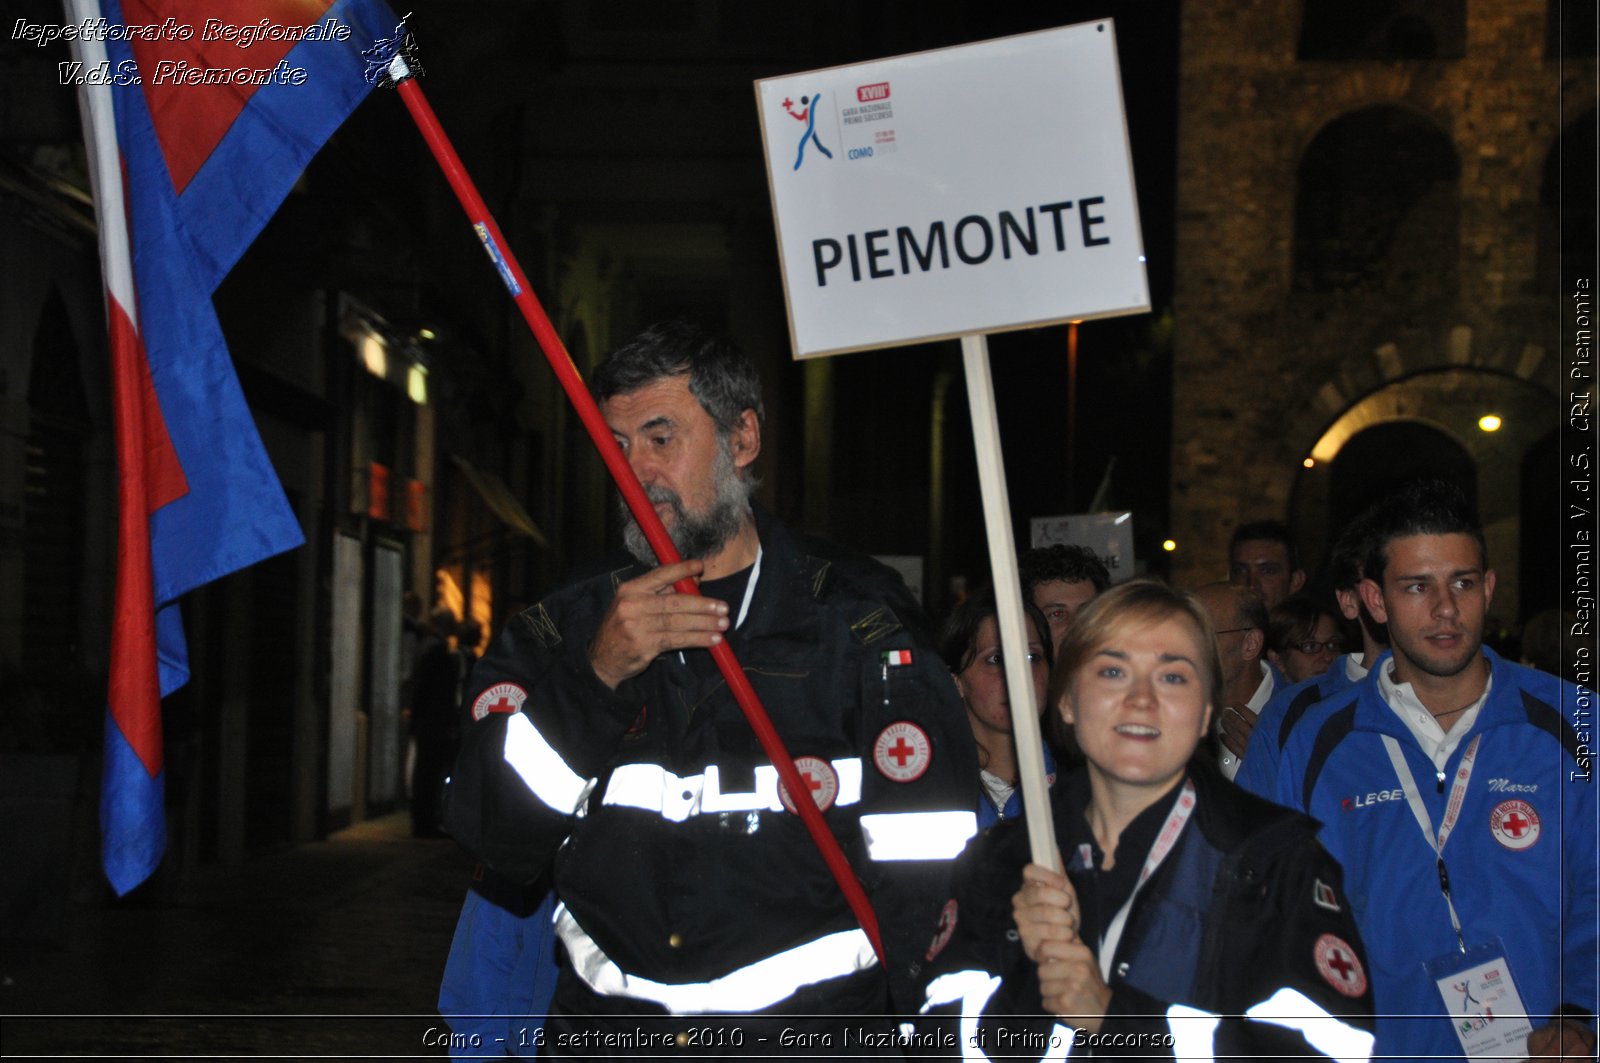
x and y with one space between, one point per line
1263 368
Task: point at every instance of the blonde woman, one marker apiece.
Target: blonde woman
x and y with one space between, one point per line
1193 917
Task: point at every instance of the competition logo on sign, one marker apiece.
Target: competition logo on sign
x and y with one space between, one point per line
502 697
1337 963
902 751
1514 824
807 114
819 777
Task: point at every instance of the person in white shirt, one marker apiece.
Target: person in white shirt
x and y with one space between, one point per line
1247 682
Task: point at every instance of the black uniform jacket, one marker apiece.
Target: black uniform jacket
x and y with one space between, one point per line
1245 919
687 884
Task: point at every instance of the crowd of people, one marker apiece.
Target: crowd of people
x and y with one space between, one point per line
1284 826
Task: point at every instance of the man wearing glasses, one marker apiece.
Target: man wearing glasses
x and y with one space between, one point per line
1241 622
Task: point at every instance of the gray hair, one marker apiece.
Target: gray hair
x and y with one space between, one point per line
721 378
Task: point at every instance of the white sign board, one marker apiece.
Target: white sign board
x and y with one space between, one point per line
909 566
965 190
1109 535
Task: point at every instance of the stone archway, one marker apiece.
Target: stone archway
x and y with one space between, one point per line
1378 222
1377 206
1428 423
1383 456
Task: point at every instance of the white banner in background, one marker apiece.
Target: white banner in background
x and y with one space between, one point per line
1109 535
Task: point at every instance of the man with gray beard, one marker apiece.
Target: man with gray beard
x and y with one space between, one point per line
695 910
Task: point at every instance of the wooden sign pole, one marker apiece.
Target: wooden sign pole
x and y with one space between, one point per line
1008 600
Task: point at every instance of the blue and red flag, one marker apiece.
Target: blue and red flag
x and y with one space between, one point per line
199 117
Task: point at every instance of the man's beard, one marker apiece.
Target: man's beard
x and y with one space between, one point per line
696 535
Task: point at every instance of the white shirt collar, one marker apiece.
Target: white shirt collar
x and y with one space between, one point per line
1435 741
998 790
1263 692
1225 758
1354 668
750 587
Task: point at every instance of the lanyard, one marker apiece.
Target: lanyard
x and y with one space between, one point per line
749 593
1452 812
750 587
1158 852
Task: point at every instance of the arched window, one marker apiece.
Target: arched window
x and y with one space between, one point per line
1378 459
1383 29
1567 216
1377 206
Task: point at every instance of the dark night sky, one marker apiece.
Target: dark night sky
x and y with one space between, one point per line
1123 408
502 74
1124 385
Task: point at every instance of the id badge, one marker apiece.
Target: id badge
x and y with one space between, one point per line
1482 1001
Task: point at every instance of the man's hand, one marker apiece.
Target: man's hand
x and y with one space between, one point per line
1235 725
1045 909
1565 1039
648 618
1070 984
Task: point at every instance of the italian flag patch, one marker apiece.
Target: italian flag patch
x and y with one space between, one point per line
893 657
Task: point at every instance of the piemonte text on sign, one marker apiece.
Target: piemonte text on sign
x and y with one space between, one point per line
966 190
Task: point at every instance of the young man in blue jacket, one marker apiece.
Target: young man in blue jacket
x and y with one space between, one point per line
1451 786
1277 720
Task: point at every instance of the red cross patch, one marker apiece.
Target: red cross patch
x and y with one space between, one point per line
1337 963
502 697
819 777
1514 824
902 751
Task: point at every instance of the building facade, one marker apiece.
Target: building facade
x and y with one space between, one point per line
1370 248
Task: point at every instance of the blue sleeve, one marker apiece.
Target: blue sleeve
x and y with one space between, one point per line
500 975
1290 770
1580 934
1258 774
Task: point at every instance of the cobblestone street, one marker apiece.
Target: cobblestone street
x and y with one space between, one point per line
328 949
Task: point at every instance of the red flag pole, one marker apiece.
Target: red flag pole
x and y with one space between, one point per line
655 533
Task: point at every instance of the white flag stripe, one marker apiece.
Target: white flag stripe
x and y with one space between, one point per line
105 165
